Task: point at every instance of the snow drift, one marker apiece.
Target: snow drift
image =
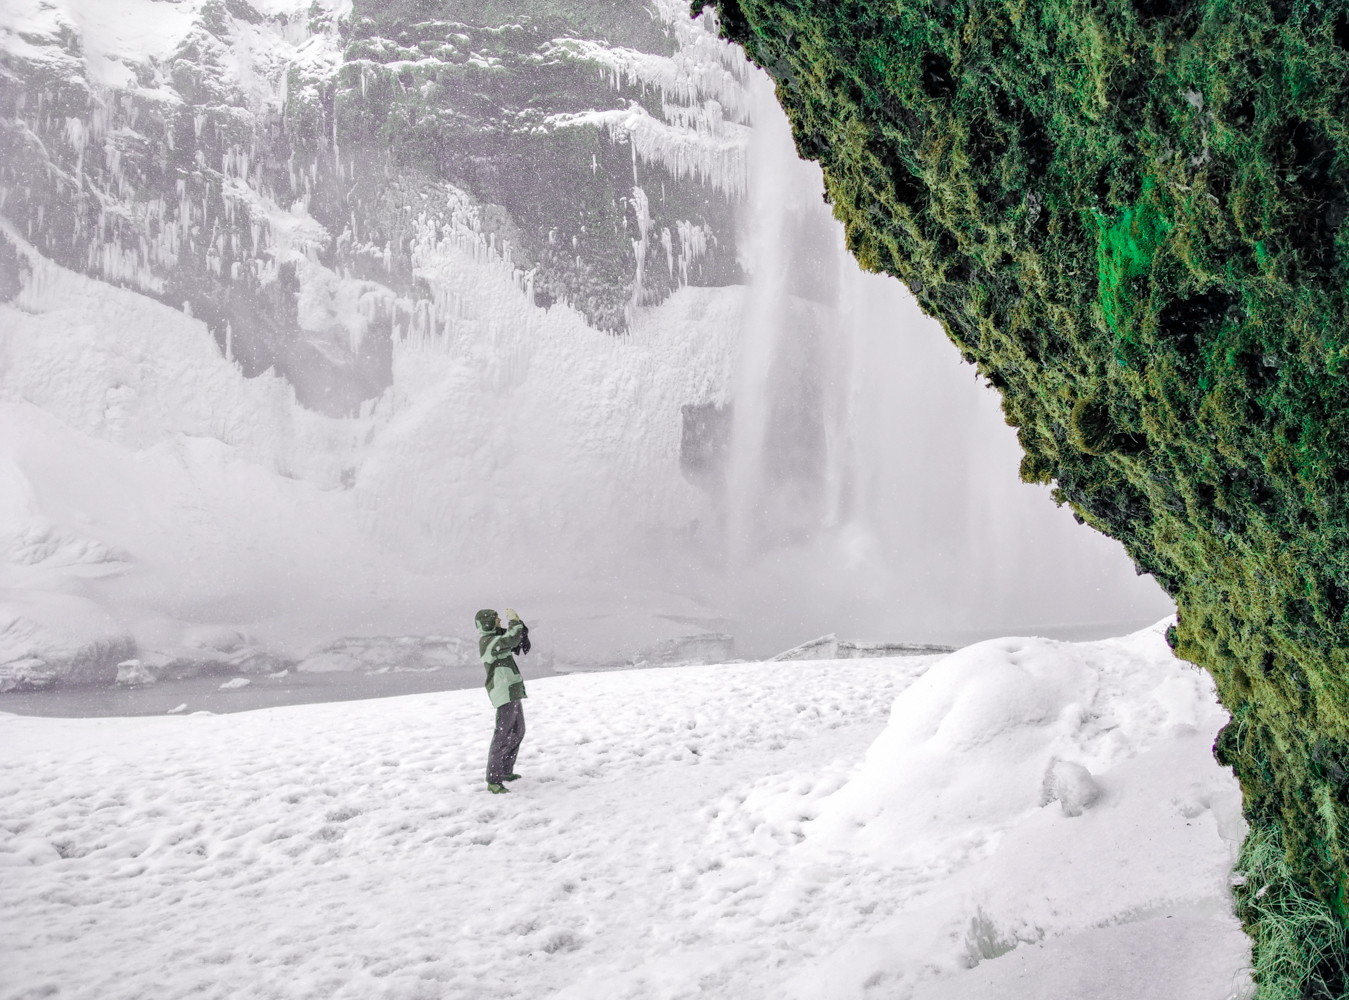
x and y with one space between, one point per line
1016 757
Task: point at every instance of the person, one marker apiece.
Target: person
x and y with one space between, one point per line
506 689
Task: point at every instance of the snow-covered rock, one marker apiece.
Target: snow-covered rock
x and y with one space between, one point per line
132 673
49 637
25 673
384 653
177 662
1072 786
831 647
706 647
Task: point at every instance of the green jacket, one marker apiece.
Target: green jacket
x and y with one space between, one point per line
504 682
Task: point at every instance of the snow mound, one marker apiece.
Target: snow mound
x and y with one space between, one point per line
973 745
1025 790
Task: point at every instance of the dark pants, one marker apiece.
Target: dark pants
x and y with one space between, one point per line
510 730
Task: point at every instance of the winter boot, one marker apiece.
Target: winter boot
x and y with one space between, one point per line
511 777
496 789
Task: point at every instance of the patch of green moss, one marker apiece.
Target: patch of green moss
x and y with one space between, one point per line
1124 252
1129 214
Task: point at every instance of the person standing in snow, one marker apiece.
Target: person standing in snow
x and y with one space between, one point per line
506 688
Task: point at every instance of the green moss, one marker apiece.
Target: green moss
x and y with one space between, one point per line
1125 252
1129 214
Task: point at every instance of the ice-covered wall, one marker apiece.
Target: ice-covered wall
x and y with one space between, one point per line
245 159
528 434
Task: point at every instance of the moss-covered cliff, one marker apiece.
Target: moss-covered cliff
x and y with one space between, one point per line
1129 214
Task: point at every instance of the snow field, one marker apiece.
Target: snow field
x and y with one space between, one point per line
352 850
716 831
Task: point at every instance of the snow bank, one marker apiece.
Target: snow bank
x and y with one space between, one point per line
974 742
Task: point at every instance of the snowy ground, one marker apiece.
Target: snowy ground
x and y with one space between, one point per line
717 831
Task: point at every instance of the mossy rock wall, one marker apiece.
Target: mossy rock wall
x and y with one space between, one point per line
1129 214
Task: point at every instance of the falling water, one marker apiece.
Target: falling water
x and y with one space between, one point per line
871 484
789 456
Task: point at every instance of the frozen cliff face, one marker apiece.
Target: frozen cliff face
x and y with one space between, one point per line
604 144
148 489
391 256
272 168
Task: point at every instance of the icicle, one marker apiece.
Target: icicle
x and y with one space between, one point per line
639 246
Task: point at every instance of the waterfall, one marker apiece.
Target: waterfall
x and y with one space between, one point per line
789 455
871 484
